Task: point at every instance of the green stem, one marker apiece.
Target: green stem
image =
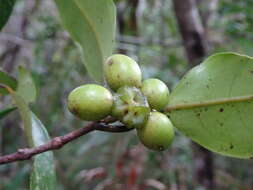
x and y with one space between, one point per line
209 103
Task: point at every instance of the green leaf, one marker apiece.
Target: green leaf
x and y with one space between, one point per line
26 87
6 7
213 104
7 80
43 175
6 111
92 25
25 114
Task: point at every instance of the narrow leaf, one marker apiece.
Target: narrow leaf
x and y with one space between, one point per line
92 25
7 80
26 87
213 104
43 175
25 114
6 7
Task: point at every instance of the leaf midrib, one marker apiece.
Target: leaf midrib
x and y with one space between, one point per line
209 103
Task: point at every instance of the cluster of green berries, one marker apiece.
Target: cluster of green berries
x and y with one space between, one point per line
135 103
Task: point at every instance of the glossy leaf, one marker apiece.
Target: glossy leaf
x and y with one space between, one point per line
6 111
43 174
213 104
26 87
92 25
7 80
6 7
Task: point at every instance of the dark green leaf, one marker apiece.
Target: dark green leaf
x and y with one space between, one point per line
26 87
43 175
7 80
5 112
91 24
6 7
213 104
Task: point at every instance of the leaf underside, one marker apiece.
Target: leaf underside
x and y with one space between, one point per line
225 128
26 87
92 25
43 175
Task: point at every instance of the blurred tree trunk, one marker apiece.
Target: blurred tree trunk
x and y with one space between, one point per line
195 44
20 25
133 24
207 10
191 30
127 24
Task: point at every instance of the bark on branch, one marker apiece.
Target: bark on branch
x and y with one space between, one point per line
59 142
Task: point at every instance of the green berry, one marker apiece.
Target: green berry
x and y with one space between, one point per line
121 70
156 92
158 133
90 102
130 107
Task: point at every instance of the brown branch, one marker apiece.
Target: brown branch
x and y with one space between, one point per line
59 142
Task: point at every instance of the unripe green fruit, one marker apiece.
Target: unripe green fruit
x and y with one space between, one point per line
158 133
121 70
130 107
90 102
156 92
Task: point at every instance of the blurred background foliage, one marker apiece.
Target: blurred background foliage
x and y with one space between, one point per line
148 32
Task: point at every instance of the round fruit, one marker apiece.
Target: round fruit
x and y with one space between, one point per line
121 70
158 133
90 102
130 107
156 92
